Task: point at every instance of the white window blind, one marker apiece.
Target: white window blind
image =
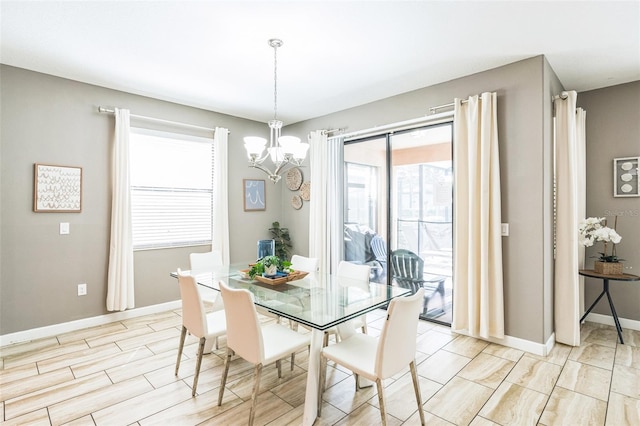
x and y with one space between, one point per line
171 189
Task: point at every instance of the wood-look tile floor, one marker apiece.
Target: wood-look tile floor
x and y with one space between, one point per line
123 374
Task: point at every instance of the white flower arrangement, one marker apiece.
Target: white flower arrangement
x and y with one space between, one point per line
594 229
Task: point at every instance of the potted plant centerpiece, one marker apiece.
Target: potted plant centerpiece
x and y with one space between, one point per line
269 266
594 229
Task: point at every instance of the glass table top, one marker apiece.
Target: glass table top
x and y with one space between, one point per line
318 300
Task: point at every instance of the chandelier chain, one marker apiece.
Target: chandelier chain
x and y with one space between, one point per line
275 82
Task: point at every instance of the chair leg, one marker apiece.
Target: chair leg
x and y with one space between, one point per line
293 359
217 344
355 376
383 412
223 381
198 364
183 335
416 387
279 366
254 393
325 339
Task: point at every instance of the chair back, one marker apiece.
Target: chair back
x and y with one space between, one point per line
407 268
379 249
353 275
266 248
305 264
397 343
205 262
244 334
193 313
353 271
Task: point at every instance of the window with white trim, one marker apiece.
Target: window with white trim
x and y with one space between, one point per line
171 189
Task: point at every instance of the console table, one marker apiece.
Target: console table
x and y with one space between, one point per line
605 290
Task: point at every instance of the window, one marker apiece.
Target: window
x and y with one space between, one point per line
171 189
361 201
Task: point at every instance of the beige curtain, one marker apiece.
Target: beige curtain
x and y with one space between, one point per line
478 305
120 294
220 213
570 170
325 206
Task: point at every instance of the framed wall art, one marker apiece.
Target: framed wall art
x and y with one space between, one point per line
57 189
254 195
625 177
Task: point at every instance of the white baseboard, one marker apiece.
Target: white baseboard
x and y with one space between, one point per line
608 320
57 329
541 349
545 349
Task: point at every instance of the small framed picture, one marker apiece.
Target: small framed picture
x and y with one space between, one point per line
254 195
625 177
57 189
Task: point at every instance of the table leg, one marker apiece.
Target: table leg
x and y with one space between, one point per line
313 379
613 311
592 305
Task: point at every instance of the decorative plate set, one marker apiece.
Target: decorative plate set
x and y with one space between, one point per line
294 183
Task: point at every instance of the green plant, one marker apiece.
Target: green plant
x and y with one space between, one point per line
259 267
282 239
270 261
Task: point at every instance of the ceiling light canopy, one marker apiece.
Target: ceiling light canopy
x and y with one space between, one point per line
283 151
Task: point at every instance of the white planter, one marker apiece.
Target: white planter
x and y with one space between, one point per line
271 270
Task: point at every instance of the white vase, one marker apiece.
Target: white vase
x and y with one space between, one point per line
271 270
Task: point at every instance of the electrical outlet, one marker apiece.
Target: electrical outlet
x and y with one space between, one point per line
504 229
82 289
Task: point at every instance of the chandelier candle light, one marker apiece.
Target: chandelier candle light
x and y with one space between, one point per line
283 150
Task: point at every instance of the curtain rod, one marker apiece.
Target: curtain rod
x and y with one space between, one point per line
158 120
394 126
563 95
432 110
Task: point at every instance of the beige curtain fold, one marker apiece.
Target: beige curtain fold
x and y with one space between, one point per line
478 303
325 211
120 294
220 213
570 171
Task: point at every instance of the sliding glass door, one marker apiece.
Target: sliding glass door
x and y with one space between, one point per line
398 211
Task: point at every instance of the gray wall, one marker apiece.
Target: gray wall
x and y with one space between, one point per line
50 120
613 131
524 113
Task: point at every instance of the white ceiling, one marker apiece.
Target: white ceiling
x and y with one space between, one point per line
336 54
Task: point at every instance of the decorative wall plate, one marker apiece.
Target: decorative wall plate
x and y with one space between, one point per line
296 202
294 179
305 191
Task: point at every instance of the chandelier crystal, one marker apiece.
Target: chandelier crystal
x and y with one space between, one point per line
283 151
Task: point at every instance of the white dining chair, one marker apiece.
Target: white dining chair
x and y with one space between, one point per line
207 262
197 322
256 343
380 358
356 275
305 264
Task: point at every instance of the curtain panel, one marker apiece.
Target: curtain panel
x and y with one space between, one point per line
220 212
478 287
325 212
120 289
570 174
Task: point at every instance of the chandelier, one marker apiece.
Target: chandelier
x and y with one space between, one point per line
282 150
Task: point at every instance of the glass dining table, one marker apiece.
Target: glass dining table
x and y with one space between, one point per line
317 301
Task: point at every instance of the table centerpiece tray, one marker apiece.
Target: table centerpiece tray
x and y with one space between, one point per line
281 277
